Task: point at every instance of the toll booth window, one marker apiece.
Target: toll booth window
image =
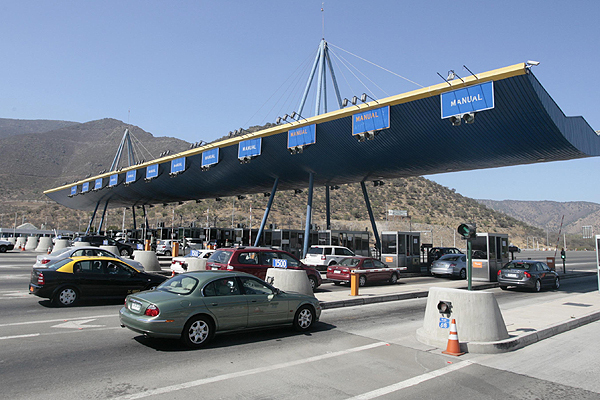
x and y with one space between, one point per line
416 245
388 244
479 247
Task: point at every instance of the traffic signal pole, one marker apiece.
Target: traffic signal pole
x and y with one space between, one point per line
469 265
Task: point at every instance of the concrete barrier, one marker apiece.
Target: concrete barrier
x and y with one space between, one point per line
478 318
81 244
32 242
44 244
148 260
112 249
196 264
289 280
12 240
21 240
60 244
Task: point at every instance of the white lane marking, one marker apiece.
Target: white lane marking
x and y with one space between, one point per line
58 320
218 378
19 336
15 293
79 324
411 382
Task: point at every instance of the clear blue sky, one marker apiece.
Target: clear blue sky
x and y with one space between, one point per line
196 70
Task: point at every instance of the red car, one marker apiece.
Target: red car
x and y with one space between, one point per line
378 271
256 261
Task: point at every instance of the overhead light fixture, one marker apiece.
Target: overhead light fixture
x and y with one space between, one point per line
240 197
364 96
218 199
455 119
198 201
266 194
335 187
297 149
297 191
378 183
469 118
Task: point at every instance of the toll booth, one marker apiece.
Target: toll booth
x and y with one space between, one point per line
490 253
290 240
357 241
401 249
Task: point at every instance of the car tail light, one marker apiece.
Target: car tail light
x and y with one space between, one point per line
527 274
152 310
323 258
45 261
41 280
499 272
453 265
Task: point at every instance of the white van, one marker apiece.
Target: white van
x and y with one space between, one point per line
322 256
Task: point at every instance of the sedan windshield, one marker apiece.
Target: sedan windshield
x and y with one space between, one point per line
350 262
179 284
518 265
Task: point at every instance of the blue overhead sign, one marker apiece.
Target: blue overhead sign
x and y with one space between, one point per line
302 136
114 179
372 120
210 157
131 176
151 171
98 184
470 99
249 148
85 187
178 165
73 190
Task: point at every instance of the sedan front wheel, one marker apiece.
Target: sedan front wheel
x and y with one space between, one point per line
304 318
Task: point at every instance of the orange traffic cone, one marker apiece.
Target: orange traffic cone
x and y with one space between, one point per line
453 347
23 248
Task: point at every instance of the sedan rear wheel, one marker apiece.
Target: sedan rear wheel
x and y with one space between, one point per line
197 332
304 318
556 283
362 281
538 286
463 274
3 249
313 283
394 279
66 297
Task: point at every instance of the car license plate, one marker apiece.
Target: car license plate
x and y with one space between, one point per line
215 268
135 306
512 275
337 271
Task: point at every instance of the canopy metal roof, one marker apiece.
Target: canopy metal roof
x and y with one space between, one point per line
525 126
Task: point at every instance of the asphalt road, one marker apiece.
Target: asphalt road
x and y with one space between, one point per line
355 352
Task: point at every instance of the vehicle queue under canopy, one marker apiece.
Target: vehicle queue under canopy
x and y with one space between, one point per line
411 134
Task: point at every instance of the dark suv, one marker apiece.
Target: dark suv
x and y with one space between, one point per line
98 240
256 261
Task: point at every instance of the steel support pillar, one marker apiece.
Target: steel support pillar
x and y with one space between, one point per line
102 218
145 230
266 214
134 223
311 180
373 225
87 231
327 208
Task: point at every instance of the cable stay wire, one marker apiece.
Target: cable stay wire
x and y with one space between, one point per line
344 61
295 72
378 66
135 142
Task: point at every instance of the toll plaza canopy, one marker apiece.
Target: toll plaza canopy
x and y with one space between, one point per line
507 119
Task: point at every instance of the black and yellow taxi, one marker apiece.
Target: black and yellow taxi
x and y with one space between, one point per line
68 280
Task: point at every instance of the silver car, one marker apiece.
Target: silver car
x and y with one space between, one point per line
451 265
68 252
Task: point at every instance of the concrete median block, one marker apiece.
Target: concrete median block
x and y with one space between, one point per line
32 242
112 249
81 244
44 244
289 280
21 240
478 317
196 264
60 244
148 259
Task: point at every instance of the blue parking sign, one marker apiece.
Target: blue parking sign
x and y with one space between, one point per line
279 263
444 323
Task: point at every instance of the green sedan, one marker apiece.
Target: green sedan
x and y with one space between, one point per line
194 306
